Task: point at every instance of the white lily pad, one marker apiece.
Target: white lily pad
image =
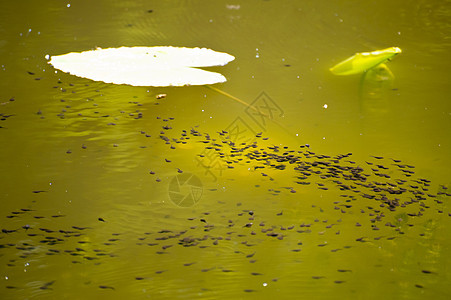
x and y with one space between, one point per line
145 66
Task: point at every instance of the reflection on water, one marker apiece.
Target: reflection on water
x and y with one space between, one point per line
376 93
374 84
87 167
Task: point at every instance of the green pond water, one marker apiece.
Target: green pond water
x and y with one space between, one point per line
342 191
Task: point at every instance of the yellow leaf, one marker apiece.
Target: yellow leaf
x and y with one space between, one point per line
360 62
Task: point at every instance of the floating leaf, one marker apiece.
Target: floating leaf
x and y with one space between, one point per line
361 62
145 66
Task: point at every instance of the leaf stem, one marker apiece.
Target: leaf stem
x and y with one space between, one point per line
249 106
236 99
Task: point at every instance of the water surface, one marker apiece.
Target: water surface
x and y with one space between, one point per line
89 206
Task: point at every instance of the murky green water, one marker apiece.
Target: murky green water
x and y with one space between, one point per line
107 191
